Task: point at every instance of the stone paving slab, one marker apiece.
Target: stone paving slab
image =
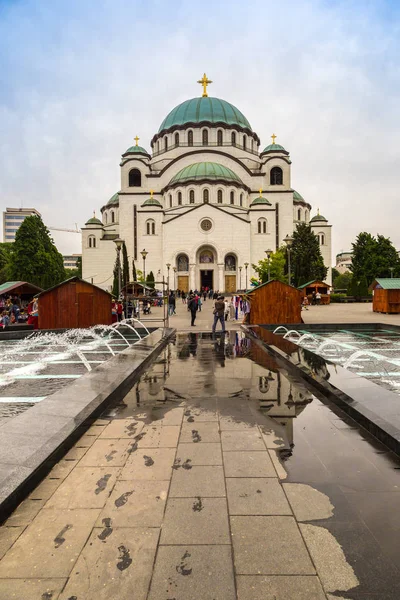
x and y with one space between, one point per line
248 464
149 464
115 563
196 521
85 487
25 513
269 546
50 546
169 416
200 433
62 469
159 437
136 504
232 424
256 497
282 587
241 440
193 573
31 589
195 414
8 535
107 453
207 482
198 454
122 428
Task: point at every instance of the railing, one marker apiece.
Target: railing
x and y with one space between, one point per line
201 145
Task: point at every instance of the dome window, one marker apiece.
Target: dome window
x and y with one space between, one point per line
244 142
219 137
170 200
299 214
262 226
205 137
206 196
321 238
241 199
179 198
276 176
233 138
190 138
219 196
165 143
105 218
135 178
177 139
150 227
232 197
91 241
191 197
112 217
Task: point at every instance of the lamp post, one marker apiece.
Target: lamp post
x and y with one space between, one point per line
289 241
168 268
391 269
144 254
240 278
268 253
246 264
119 243
174 279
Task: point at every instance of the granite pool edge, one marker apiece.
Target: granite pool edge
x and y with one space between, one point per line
32 442
349 392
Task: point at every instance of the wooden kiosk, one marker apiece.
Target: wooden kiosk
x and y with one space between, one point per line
386 295
316 286
74 303
274 302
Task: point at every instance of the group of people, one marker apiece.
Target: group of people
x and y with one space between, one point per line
13 311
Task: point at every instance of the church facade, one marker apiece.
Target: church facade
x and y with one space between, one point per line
204 205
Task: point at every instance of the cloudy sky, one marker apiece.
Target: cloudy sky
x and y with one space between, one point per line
80 78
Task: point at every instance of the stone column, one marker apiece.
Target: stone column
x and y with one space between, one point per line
192 277
221 282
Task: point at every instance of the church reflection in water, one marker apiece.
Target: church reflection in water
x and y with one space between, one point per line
231 374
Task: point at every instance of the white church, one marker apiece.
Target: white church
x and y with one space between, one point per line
203 206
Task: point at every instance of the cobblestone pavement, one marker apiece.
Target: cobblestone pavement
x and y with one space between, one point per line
183 491
357 312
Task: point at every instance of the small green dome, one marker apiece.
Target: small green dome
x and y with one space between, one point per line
317 218
274 148
152 202
260 200
136 150
114 200
94 221
297 196
205 170
207 109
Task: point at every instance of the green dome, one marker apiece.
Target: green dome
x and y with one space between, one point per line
274 148
152 202
297 196
94 221
114 200
210 110
136 150
260 200
205 170
318 218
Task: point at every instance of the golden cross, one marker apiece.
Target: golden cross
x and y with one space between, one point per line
318 211
260 190
151 193
273 136
136 140
204 82
94 214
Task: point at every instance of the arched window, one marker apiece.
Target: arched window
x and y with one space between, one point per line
182 262
232 197
158 146
165 143
321 237
105 218
179 198
230 262
170 200
205 137
112 217
241 199
177 139
262 225
244 142
276 176
299 214
219 196
91 241
219 137
135 178
191 197
190 138
206 196
252 144
233 138
150 227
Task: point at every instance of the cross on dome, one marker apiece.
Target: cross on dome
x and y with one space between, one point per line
151 193
136 140
204 82
273 136
260 190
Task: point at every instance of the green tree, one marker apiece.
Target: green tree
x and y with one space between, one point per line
34 256
5 261
342 281
373 257
150 280
125 266
79 266
335 274
277 266
306 259
115 286
134 273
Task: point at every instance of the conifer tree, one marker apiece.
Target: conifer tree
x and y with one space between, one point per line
307 263
150 280
125 266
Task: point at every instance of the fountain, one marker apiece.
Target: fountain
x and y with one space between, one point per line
288 334
280 327
305 336
347 364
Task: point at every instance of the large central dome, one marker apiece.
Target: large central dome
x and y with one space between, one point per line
205 109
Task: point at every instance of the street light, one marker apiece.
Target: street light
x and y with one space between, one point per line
288 241
391 269
168 267
119 243
174 278
245 266
268 253
144 254
240 277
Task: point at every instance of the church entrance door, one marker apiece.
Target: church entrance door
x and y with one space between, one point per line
183 283
206 279
230 283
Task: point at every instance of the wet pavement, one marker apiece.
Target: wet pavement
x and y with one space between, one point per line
219 476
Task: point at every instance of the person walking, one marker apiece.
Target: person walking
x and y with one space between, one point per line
193 306
171 304
219 313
